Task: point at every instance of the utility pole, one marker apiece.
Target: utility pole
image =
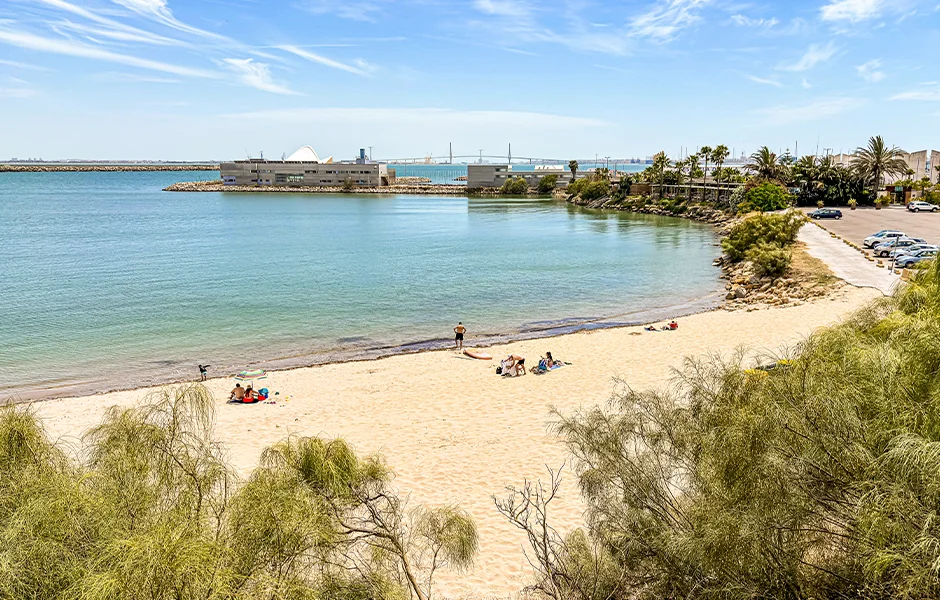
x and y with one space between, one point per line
510 154
607 160
595 161
451 146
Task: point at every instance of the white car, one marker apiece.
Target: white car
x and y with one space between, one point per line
881 237
920 205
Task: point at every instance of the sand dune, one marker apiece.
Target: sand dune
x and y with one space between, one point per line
454 432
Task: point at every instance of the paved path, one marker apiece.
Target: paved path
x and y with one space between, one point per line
846 262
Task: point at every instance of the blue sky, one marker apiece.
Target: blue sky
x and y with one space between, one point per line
210 79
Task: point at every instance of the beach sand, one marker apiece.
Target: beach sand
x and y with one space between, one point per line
455 433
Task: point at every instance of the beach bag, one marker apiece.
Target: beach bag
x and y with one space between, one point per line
499 370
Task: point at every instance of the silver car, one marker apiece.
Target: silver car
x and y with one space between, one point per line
915 257
884 249
899 252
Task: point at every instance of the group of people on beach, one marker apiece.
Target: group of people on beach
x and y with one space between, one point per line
247 395
514 365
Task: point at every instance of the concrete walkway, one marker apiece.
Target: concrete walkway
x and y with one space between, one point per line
846 262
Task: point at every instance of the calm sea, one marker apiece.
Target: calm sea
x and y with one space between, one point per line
109 282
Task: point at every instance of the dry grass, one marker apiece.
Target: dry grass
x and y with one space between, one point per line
811 272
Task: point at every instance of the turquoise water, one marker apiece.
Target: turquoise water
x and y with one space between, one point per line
109 282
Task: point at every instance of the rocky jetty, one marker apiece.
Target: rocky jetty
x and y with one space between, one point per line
411 180
747 289
26 168
697 212
218 186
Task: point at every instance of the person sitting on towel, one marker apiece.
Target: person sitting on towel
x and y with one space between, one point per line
238 394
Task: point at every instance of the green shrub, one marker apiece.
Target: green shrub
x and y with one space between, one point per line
515 187
348 185
768 196
779 230
588 189
737 198
547 184
769 259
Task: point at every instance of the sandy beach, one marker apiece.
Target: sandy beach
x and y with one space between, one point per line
455 432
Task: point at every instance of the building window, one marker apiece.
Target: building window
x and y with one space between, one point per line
311 172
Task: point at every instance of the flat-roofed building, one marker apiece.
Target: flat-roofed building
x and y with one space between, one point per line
303 168
490 176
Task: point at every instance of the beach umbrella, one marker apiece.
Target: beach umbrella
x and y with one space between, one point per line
251 375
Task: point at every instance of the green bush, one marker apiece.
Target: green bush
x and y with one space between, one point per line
779 230
768 196
769 259
547 184
348 185
515 187
588 189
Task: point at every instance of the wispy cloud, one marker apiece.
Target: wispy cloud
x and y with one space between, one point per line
806 85
852 11
134 78
819 109
762 23
666 18
814 55
256 75
869 71
355 11
71 48
762 80
503 8
156 10
22 65
929 92
361 67
66 27
425 117
113 25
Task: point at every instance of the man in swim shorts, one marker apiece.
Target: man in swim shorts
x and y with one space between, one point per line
459 330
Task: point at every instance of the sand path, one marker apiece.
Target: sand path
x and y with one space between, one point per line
454 432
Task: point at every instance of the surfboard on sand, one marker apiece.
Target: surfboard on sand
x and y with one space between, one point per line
477 354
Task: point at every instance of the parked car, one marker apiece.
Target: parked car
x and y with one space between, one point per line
899 252
919 205
884 249
825 213
881 236
912 259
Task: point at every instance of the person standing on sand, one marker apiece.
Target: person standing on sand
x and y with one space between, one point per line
459 330
202 372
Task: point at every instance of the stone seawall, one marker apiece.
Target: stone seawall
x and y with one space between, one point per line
701 213
218 186
14 168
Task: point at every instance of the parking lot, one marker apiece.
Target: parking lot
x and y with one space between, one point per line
856 225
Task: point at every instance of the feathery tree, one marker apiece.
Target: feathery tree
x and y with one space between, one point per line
817 476
153 511
573 167
877 160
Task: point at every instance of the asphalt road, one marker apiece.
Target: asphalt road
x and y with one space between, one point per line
856 225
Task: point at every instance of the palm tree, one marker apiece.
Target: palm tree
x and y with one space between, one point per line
877 160
573 167
691 163
660 164
765 164
719 155
706 152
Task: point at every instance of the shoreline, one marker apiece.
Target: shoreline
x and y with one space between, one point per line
562 327
453 432
430 189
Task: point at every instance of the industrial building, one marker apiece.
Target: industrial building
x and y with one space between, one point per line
923 163
490 176
304 168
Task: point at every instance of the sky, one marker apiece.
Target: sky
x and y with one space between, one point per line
222 79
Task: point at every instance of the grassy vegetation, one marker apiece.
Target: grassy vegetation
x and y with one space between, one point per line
765 240
152 511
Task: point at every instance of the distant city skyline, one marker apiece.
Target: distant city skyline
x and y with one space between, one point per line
216 79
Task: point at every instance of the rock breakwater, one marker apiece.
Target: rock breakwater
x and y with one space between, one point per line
17 168
218 186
